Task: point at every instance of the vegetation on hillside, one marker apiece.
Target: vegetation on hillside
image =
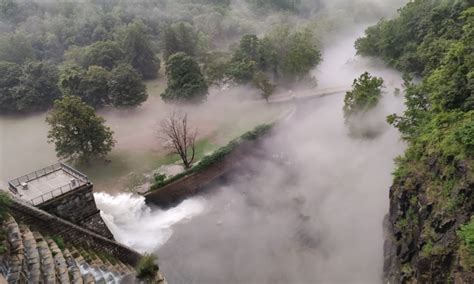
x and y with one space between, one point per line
434 39
4 201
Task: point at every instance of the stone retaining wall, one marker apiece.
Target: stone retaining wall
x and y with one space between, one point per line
192 184
71 233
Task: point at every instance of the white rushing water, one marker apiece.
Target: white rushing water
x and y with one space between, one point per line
139 226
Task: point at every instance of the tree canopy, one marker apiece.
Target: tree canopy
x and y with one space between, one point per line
77 133
286 56
98 87
139 50
185 80
434 39
126 87
179 37
31 87
365 95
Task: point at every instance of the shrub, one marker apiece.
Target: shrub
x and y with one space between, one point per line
59 241
466 233
4 202
146 268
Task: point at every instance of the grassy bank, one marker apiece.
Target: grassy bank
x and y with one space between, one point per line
216 156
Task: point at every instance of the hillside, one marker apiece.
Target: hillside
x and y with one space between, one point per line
429 229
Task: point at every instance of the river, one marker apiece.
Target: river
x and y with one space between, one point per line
311 211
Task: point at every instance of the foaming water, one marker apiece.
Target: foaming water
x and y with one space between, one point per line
140 226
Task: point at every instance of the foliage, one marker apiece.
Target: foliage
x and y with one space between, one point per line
4 202
365 95
16 48
9 80
77 133
147 268
31 87
276 4
185 80
418 38
107 54
262 82
434 39
37 87
287 56
90 85
217 155
59 241
126 87
138 49
179 37
466 233
98 87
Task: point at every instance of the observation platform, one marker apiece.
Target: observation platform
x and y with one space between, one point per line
47 183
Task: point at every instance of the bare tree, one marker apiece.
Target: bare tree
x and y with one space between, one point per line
180 139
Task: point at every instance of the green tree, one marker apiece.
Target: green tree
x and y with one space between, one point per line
262 82
90 85
276 4
300 57
77 132
244 63
185 80
179 38
16 47
8 9
126 87
286 56
107 54
70 78
95 86
139 52
9 79
38 87
365 95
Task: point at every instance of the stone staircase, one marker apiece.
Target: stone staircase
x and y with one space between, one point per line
35 258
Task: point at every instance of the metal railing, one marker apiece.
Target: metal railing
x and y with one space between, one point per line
55 193
81 179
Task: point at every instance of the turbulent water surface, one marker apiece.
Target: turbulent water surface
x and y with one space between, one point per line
310 210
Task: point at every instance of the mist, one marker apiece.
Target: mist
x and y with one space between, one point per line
310 208
307 208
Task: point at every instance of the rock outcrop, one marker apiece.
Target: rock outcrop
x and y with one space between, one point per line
423 243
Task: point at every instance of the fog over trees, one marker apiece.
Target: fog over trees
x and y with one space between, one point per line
55 35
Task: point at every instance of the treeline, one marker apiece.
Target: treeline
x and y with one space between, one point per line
434 39
416 40
69 42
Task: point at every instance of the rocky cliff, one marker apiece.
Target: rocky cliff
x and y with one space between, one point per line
423 239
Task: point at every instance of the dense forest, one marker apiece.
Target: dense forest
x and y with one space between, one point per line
432 201
102 50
